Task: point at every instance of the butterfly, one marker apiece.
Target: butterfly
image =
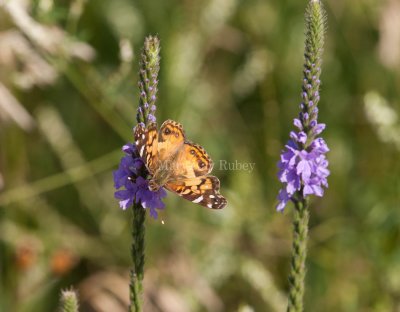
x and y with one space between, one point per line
180 166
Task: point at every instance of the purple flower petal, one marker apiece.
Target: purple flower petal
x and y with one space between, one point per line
298 124
151 118
318 128
293 136
302 137
283 199
129 149
318 191
303 168
307 190
126 198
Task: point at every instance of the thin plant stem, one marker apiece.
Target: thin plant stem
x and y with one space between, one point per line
299 255
137 272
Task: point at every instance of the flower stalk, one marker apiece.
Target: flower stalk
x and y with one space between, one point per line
303 164
138 245
149 68
130 180
299 255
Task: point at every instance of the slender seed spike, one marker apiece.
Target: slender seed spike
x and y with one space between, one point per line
303 165
69 301
148 73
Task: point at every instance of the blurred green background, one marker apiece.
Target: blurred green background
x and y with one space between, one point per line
231 74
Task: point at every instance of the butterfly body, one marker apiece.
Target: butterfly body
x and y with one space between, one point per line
180 166
161 176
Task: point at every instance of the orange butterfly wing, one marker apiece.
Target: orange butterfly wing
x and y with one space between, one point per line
170 139
185 164
146 140
190 178
202 190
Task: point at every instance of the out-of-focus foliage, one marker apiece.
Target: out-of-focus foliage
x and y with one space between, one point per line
230 73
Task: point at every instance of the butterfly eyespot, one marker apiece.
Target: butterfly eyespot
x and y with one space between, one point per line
167 131
202 164
192 152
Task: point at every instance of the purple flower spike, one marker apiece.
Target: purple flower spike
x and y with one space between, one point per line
135 188
303 167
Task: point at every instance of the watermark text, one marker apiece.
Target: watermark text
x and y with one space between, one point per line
236 165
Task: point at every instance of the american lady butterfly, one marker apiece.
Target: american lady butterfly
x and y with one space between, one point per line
180 166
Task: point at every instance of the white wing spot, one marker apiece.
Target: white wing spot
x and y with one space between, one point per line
137 142
141 151
198 199
143 136
209 205
212 196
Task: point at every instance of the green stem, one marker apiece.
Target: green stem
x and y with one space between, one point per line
137 272
299 254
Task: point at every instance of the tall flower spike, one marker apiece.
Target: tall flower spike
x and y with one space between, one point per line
132 173
303 165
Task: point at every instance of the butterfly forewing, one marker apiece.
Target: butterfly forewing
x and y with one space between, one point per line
146 140
170 139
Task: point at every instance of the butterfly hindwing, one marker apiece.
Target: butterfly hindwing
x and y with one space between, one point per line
146 140
202 190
